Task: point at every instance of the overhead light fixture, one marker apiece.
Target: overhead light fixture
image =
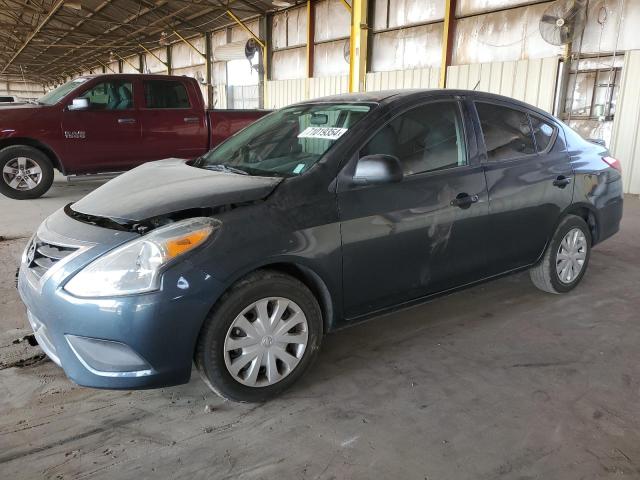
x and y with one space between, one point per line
76 5
112 57
164 39
281 3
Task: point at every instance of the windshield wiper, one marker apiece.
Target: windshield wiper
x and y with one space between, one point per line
225 168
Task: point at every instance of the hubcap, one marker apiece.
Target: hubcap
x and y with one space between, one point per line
22 173
266 341
571 255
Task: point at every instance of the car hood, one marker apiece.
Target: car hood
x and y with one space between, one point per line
168 186
14 115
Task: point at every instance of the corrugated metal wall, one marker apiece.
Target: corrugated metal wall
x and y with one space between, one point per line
625 140
532 81
285 92
416 78
21 90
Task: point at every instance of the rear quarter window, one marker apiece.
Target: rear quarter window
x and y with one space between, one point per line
544 133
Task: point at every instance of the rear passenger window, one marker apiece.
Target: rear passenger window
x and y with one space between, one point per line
165 94
543 133
424 139
507 133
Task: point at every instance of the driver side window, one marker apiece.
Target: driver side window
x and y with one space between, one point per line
424 139
113 95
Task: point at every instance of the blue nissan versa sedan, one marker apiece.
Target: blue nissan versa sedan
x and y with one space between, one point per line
317 216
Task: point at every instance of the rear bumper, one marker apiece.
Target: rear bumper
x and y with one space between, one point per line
134 342
609 212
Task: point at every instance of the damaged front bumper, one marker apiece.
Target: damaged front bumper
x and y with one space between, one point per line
127 342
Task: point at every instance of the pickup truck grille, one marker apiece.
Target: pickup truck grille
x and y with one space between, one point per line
41 256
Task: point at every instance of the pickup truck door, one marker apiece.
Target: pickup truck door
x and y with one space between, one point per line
173 120
424 234
106 135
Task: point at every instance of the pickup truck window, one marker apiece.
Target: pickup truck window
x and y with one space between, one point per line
113 95
287 142
57 94
165 94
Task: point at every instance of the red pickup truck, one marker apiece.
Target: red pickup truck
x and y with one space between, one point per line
108 123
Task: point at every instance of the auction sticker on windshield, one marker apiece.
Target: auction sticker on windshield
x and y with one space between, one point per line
327 133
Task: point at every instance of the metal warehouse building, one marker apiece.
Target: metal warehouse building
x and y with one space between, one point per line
319 239
302 50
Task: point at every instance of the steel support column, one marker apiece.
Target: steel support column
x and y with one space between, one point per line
358 45
311 29
209 69
447 39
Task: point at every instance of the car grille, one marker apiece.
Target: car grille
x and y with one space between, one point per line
41 256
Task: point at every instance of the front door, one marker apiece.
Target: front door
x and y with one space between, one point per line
529 179
424 234
106 135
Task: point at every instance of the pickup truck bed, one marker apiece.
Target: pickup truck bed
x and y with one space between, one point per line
108 123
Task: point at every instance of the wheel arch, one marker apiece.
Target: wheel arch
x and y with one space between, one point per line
30 142
308 277
588 213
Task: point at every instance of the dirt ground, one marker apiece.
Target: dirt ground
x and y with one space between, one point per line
498 381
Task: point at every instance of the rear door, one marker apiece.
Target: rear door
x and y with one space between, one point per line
105 136
529 179
173 120
424 234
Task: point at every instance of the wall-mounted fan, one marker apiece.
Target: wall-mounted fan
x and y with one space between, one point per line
563 21
346 50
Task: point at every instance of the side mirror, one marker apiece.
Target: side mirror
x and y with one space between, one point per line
377 169
79 104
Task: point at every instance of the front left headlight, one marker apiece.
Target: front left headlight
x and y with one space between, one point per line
135 266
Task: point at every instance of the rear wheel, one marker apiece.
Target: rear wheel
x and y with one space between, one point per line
260 338
566 258
26 172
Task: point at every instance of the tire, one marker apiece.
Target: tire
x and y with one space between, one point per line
545 275
215 358
18 160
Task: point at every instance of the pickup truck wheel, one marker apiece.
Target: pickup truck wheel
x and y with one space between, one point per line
26 172
260 338
565 261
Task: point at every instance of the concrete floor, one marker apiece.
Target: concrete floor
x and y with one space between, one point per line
499 381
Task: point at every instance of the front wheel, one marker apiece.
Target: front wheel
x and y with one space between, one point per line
26 172
566 258
260 338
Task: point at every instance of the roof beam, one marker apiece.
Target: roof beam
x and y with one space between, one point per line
44 21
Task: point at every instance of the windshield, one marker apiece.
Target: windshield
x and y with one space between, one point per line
287 142
57 94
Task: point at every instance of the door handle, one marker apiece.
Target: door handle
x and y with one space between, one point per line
561 181
464 200
126 120
191 120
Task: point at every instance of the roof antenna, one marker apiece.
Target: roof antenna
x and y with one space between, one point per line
478 83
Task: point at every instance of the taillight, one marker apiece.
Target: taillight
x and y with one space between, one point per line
613 163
